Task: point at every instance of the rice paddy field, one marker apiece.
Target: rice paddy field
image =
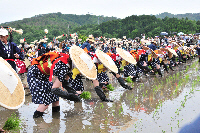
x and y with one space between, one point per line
155 105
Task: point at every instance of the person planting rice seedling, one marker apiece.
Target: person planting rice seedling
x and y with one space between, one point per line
40 82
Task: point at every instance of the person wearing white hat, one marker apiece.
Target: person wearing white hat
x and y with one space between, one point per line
9 50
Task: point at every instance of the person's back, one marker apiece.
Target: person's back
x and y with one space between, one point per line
86 45
152 46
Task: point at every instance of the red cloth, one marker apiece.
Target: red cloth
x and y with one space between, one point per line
93 55
10 59
21 65
113 56
63 58
141 51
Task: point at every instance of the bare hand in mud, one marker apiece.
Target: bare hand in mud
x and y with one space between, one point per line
79 92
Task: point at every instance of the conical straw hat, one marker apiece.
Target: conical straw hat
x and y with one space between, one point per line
173 52
169 52
154 55
83 62
179 45
107 61
158 51
11 89
163 49
126 56
176 44
152 52
145 48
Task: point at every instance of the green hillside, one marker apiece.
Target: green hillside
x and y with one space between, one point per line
190 16
132 26
56 23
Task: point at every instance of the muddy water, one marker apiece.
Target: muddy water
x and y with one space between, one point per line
154 105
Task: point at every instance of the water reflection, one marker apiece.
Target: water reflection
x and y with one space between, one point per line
128 108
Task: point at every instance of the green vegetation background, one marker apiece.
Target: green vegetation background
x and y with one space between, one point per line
111 27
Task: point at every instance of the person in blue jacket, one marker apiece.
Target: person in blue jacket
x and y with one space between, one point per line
87 43
152 46
155 64
9 50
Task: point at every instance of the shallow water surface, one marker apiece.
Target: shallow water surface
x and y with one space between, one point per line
156 104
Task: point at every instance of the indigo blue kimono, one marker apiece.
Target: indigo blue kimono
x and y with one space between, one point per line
9 53
86 45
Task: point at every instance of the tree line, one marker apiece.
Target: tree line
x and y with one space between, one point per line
133 26
110 27
56 23
191 16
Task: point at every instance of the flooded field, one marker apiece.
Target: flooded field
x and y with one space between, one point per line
156 104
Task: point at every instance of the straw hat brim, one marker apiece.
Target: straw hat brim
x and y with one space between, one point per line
158 51
163 49
176 44
170 54
152 52
12 90
83 62
154 55
179 45
183 41
173 52
107 61
126 56
146 48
